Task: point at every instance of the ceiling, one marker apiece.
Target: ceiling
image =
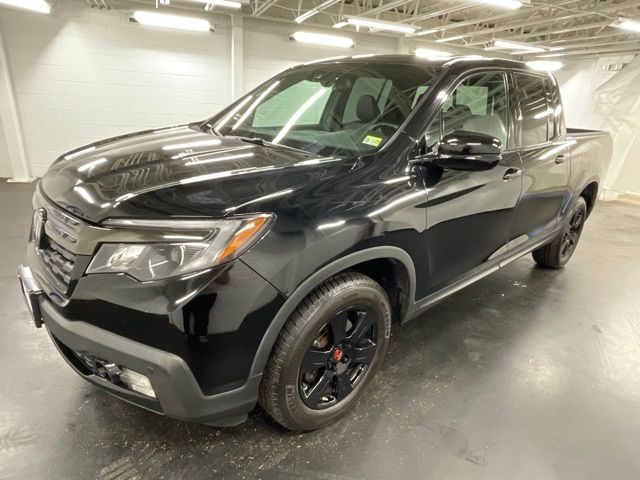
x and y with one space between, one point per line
566 29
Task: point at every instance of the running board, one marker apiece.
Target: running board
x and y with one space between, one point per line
476 274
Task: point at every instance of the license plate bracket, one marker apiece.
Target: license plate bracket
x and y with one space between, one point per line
32 293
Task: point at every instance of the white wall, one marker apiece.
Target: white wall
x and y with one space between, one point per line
5 166
268 50
83 74
579 81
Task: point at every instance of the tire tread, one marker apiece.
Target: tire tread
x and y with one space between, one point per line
268 396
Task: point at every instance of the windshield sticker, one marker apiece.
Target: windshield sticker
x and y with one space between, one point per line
371 140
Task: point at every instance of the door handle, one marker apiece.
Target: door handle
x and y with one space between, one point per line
561 159
511 173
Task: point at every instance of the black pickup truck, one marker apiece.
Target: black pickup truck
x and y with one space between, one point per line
265 254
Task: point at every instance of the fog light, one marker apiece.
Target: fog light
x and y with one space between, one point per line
137 382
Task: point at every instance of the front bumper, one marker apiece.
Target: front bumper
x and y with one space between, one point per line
195 337
177 392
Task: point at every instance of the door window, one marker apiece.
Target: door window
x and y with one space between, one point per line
533 108
478 104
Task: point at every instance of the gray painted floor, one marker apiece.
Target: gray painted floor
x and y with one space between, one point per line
527 374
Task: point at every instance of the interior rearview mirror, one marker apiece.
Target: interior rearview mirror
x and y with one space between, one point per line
466 151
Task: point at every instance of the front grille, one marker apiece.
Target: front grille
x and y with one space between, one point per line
59 261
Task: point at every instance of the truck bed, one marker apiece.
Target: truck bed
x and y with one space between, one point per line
591 154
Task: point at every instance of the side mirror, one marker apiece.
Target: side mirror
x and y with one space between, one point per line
466 151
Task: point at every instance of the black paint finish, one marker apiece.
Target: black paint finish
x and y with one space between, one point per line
446 222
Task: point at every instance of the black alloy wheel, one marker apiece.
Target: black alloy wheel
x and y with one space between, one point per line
557 253
328 352
338 358
572 235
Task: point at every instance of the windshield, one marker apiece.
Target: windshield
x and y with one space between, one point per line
336 109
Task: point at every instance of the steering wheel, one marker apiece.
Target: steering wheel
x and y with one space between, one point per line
387 129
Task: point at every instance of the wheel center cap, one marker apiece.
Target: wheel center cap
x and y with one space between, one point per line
337 354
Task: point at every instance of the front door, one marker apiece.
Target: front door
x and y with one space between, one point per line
469 214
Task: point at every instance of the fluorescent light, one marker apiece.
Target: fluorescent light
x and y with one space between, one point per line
556 49
380 24
545 65
627 24
224 4
322 39
429 53
313 11
450 39
340 24
509 4
423 32
172 21
517 46
210 4
550 55
39 6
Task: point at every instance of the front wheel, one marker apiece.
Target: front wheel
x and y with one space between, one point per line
557 253
327 353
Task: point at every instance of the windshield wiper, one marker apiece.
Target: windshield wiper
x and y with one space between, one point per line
265 143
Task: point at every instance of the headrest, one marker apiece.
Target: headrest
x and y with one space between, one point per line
367 109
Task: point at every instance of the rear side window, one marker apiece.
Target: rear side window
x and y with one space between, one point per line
533 108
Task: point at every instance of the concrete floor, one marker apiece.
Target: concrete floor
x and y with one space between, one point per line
526 374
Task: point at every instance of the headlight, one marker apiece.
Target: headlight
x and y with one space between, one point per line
221 241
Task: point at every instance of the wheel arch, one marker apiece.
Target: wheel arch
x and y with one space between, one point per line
590 193
376 262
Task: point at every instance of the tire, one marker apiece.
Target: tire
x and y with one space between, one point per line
557 253
293 397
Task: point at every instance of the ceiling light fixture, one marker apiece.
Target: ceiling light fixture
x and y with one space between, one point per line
423 32
626 24
313 11
509 4
507 45
322 39
39 6
380 24
176 22
450 39
223 3
545 65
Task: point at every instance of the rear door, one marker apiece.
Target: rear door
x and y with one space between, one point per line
540 139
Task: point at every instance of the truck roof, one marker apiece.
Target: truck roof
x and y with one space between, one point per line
407 59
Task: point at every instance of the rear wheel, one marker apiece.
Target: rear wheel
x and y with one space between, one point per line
557 253
327 352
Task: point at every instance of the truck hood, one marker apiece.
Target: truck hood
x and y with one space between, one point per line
177 172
